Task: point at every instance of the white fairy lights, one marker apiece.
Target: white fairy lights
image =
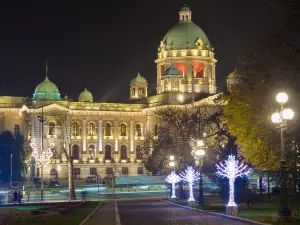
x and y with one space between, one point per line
173 178
190 175
232 169
41 154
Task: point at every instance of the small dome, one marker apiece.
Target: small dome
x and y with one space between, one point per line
185 9
86 96
233 74
172 71
46 91
138 80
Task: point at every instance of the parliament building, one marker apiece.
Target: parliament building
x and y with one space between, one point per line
107 135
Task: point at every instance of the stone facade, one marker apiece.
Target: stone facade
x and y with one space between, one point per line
107 136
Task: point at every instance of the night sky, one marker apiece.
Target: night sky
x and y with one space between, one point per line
103 45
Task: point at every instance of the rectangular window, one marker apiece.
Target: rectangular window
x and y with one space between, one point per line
108 170
76 171
93 171
125 171
140 170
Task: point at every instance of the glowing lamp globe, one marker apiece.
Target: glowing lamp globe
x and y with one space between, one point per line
200 152
276 117
172 157
180 97
200 143
282 97
171 164
287 114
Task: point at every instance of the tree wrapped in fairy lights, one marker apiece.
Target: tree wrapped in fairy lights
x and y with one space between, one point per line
42 151
173 178
190 175
232 169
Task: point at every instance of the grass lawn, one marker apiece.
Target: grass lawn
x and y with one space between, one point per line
261 212
73 218
26 207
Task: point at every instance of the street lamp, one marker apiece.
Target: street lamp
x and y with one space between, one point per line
198 152
280 118
172 161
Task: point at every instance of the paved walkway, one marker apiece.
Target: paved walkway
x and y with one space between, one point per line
161 213
104 215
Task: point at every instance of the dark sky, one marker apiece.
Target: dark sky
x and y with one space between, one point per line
102 45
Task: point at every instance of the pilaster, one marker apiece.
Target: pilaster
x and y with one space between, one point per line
131 136
116 135
84 135
100 132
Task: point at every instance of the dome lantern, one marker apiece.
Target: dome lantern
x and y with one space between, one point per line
86 96
138 87
185 14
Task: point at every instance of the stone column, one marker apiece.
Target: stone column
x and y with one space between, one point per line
100 127
131 136
84 135
116 135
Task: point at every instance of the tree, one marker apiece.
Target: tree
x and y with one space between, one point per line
177 126
261 75
65 135
11 144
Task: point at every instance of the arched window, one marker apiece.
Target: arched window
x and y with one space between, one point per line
53 173
138 130
123 130
107 152
91 129
138 152
92 152
75 151
51 128
123 152
155 130
75 129
16 129
107 129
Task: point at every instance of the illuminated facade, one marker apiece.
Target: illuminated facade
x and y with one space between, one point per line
107 136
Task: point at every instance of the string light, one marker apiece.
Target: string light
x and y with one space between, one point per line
173 178
190 175
42 155
232 169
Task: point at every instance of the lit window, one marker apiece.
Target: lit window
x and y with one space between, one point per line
107 129
91 129
75 129
51 128
138 128
123 130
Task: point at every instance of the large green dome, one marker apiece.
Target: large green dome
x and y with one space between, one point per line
46 91
185 34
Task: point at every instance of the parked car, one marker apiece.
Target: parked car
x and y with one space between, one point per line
15 185
91 179
54 184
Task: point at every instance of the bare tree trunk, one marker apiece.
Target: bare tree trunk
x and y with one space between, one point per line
72 195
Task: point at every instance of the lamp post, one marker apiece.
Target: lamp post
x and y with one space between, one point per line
280 118
42 119
11 156
198 152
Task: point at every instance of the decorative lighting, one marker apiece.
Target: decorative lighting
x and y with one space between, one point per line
282 98
180 97
287 114
232 169
172 157
42 155
172 164
173 178
190 175
200 143
276 117
200 152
